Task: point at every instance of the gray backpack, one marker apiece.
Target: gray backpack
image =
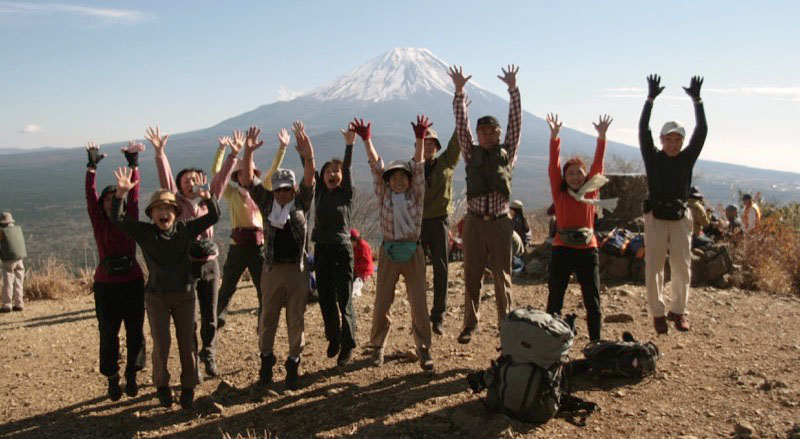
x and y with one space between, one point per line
523 391
529 335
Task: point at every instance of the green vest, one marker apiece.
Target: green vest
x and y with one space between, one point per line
488 171
12 247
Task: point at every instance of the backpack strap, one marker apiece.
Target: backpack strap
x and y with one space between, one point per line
573 407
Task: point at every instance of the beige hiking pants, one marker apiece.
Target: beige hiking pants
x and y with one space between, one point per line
661 236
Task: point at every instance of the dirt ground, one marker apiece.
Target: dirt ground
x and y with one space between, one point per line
736 369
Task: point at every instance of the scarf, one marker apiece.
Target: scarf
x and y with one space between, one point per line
403 223
593 184
280 215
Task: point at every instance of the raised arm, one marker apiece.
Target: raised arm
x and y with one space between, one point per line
251 144
420 129
646 144
306 152
93 152
514 129
199 225
347 172
125 183
365 132
452 153
277 159
554 166
159 142
701 127
599 153
131 153
460 111
220 180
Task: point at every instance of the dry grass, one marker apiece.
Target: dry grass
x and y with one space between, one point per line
770 256
52 279
251 434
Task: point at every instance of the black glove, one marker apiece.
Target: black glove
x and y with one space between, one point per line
132 158
94 157
694 87
654 86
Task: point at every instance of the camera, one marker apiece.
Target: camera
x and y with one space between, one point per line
200 187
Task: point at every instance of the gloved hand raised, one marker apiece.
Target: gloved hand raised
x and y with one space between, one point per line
694 87
93 152
654 86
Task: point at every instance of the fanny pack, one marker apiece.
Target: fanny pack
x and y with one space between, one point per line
203 248
669 210
118 265
582 236
247 236
400 251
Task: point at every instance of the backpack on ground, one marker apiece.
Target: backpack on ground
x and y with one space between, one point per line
529 335
635 248
624 359
616 242
523 391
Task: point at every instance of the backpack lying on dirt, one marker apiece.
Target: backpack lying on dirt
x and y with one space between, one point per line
524 383
616 242
623 359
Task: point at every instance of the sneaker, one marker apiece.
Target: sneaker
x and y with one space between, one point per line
114 389
18 308
164 395
131 387
376 359
211 367
437 328
6 308
292 374
187 397
425 361
680 321
265 373
333 348
466 335
345 356
660 323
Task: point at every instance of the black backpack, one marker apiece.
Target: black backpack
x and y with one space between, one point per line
624 359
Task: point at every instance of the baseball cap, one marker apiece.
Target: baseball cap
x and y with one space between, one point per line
673 127
282 178
488 121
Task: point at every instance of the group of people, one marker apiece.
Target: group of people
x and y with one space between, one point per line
269 214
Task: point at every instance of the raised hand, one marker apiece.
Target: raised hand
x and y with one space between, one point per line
237 142
602 125
364 131
304 147
131 153
554 124
156 139
457 75
349 134
93 152
510 76
124 183
694 87
251 142
654 87
224 141
200 180
283 137
421 127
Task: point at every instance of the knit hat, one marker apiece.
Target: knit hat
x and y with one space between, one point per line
163 196
6 219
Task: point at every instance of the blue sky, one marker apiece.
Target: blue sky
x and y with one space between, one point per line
72 71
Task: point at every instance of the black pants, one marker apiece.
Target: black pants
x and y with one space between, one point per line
114 304
585 264
435 238
206 285
240 257
334 269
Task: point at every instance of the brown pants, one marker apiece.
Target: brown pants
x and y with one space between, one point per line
181 307
283 285
486 242
389 272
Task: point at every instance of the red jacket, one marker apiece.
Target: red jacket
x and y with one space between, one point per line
362 259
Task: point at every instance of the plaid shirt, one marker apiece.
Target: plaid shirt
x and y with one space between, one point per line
494 203
297 217
415 196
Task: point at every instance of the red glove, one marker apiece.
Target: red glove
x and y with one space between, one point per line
364 131
421 127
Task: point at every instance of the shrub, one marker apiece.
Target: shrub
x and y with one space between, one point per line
53 280
770 255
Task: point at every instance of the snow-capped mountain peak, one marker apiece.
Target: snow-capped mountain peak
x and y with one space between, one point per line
397 74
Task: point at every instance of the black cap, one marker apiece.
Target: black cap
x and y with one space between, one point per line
488 121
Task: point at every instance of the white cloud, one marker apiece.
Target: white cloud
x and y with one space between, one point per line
284 94
635 93
778 93
104 14
30 128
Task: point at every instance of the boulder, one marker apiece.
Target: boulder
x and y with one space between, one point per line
630 191
618 267
537 267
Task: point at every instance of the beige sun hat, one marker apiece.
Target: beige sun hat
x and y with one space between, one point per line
162 196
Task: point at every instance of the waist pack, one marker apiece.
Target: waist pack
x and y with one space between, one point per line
622 359
203 248
118 265
400 251
524 391
247 236
616 242
528 335
582 236
669 210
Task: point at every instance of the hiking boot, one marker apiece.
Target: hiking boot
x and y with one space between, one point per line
660 323
425 361
6 308
211 367
114 389
18 308
164 395
680 321
466 335
376 359
333 348
437 327
345 356
131 387
292 373
187 397
265 374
